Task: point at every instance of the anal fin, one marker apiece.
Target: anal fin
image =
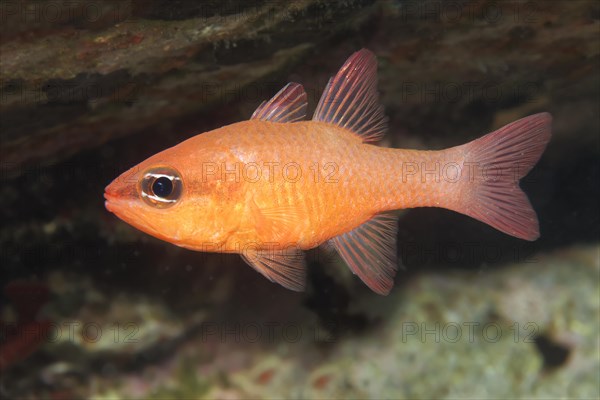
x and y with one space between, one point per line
370 251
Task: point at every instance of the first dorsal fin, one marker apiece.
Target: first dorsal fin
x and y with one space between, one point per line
288 105
350 99
370 251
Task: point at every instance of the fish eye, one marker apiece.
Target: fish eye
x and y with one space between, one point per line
161 187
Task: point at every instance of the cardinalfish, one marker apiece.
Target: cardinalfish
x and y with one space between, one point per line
276 185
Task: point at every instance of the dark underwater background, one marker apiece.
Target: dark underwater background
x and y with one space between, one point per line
93 308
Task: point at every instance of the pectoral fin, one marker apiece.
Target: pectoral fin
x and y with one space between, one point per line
370 251
286 267
274 223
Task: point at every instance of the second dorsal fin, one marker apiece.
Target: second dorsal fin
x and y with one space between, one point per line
350 99
288 105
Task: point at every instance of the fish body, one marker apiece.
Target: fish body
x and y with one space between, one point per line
321 177
275 185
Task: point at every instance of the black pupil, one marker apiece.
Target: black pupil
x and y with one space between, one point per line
162 187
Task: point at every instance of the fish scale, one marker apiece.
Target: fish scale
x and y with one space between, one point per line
303 141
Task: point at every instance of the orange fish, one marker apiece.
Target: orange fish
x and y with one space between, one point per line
275 185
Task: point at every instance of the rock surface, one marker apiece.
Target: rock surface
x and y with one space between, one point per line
525 329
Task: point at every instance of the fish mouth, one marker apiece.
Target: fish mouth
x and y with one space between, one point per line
119 207
127 211
113 199
116 205
110 201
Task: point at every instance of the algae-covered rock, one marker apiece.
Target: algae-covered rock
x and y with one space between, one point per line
452 334
76 75
529 329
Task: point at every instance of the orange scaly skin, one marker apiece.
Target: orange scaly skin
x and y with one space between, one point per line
343 183
326 179
332 181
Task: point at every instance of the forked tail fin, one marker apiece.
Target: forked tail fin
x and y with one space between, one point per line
499 160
